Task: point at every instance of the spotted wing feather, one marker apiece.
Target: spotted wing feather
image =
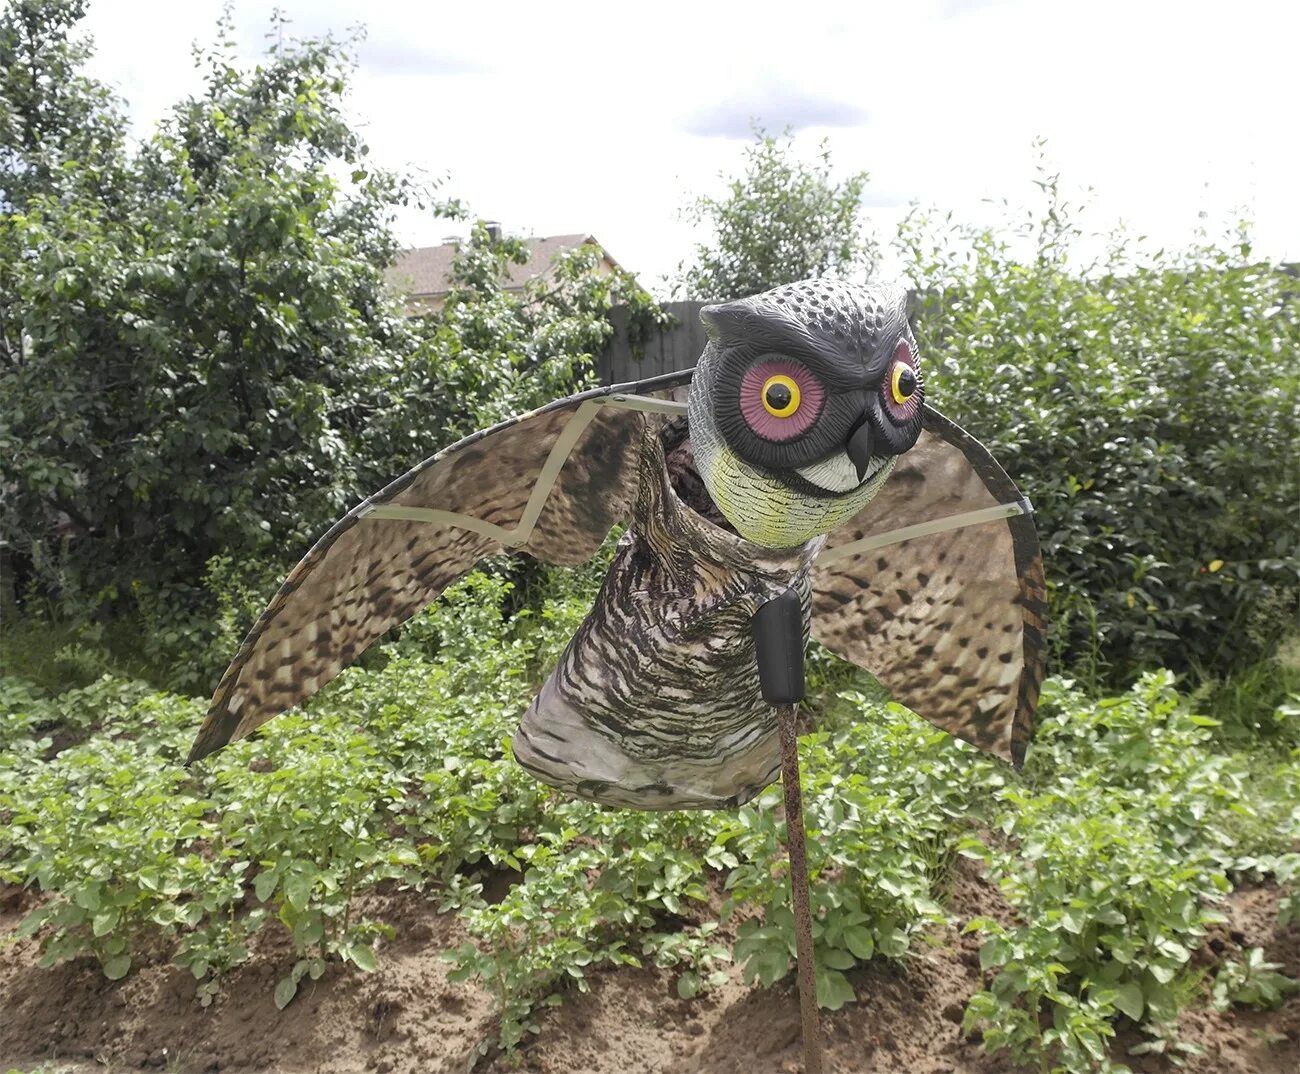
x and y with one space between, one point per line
367 574
952 624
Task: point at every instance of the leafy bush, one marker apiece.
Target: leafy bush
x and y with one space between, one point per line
598 889
878 845
1113 858
1148 404
99 831
195 332
1253 983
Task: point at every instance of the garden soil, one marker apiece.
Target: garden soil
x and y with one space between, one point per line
407 1017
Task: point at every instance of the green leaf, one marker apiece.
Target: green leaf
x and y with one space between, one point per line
833 990
364 957
264 884
893 943
32 922
117 967
836 959
285 991
1162 972
310 930
860 942
770 965
87 897
1129 999
297 890
994 952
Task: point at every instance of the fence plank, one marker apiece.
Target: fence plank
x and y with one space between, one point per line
677 347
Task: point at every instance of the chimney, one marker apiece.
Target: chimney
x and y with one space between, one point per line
493 230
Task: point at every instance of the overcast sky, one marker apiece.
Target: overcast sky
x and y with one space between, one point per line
605 118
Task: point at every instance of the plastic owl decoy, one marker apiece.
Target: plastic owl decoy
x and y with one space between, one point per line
803 459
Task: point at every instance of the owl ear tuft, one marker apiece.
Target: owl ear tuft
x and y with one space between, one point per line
724 320
710 324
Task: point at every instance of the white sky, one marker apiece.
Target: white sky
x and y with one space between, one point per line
605 117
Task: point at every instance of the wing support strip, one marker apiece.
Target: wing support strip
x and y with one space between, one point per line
647 403
927 529
546 478
568 439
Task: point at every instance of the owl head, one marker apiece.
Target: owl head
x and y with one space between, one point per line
803 399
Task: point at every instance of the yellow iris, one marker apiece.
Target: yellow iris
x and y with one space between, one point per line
902 392
780 396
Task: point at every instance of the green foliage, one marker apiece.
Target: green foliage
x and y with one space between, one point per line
97 829
597 887
1112 857
194 337
698 950
200 365
56 126
1286 868
784 220
1261 702
551 929
1129 823
1148 404
1254 983
491 354
883 842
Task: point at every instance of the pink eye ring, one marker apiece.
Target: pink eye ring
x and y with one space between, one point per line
902 387
768 384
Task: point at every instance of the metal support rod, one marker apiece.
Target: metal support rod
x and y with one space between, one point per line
796 850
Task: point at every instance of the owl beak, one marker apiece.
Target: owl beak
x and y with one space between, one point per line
858 447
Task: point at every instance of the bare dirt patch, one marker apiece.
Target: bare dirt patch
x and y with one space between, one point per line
407 1017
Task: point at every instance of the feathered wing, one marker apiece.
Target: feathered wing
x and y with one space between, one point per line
951 622
551 483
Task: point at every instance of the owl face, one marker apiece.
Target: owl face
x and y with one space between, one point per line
803 399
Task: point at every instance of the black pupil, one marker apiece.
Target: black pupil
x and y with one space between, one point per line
778 396
906 382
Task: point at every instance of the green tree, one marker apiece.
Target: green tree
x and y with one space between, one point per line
51 115
491 353
784 220
198 339
203 366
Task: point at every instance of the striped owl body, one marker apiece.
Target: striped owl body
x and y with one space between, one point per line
655 703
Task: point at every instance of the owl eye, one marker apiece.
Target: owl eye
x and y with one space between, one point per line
902 382
780 396
902 389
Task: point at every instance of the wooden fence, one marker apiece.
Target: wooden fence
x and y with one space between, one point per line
677 347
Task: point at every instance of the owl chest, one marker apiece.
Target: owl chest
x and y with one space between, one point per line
655 703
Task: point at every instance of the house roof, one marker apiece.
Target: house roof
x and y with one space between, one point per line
425 271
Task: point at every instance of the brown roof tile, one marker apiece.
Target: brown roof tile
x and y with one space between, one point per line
424 272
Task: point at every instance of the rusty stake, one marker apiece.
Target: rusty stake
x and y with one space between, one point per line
794 845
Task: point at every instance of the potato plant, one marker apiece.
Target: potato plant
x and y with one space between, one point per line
1114 855
1131 820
